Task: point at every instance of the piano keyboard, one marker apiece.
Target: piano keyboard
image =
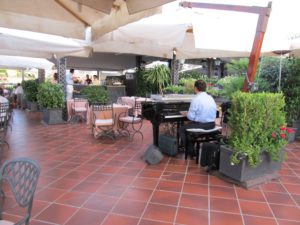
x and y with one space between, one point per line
174 116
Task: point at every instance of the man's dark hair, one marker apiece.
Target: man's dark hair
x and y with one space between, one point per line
200 85
72 70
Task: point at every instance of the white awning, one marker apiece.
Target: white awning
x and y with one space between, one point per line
24 62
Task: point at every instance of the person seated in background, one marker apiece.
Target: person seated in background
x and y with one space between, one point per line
55 78
201 114
88 80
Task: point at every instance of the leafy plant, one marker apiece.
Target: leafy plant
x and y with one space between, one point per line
95 94
30 88
50 96
142 86
253 120
174 89
237 67
159 76
291 90
191 75
231 84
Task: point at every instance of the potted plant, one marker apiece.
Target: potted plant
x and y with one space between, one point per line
158 75
51 98
95 94
30 88
174 89
257 136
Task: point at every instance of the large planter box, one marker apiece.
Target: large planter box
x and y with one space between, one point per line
52 116
243 172
296 125
32 106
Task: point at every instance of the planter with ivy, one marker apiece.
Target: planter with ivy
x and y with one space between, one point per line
51 98
30 88
257 137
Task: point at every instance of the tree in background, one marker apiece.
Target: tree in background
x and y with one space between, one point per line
237 66
158 76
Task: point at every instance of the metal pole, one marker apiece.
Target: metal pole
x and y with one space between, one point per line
280 68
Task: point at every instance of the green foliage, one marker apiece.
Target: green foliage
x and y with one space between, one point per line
142 86
159 76
95 94
191 75
290 83
30 88
188 84
231 84
253 119
237 67
290 86
50 96
174 89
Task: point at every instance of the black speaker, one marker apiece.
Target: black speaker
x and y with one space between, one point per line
152 155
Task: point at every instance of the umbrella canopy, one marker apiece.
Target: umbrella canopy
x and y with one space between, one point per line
70 18
24 62
15 43
203 33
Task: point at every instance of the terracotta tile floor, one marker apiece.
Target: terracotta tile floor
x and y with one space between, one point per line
88 182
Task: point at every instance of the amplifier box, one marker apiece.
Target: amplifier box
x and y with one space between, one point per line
167 145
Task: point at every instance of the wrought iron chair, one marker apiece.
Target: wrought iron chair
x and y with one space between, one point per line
79 109
103 120
22 175
132 124
4 123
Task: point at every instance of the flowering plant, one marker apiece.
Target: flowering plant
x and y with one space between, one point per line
281 135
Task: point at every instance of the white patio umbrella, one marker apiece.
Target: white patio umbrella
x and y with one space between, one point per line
70 18
188 32
31 44
200 33
24 62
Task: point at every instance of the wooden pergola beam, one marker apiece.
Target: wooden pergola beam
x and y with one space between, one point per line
263 17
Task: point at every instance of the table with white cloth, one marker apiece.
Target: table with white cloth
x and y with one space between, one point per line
118 110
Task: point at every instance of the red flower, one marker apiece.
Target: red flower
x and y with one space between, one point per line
273 135
290 130
282 135
282 128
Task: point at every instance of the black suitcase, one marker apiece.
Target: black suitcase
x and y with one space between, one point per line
210 155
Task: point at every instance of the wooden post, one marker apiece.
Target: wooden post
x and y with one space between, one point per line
263 17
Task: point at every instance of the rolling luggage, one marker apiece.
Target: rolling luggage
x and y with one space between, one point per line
210 156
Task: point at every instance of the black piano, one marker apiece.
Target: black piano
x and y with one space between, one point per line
164 111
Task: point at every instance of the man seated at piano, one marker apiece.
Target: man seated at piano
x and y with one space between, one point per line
201 114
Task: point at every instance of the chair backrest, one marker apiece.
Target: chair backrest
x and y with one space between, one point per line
137 110
80 102
22 176
4 117
105 111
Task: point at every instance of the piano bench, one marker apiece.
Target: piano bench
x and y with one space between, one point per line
198 136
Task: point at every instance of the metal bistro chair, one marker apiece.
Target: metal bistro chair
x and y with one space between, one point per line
103 120
4 123
22 175
79 109
132 124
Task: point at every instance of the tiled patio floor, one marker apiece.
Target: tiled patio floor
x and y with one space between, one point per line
86 182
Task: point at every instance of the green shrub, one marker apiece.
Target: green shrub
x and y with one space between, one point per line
231 84
158 76
253 119
95 94
30 88
50 96
142 86
174 89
